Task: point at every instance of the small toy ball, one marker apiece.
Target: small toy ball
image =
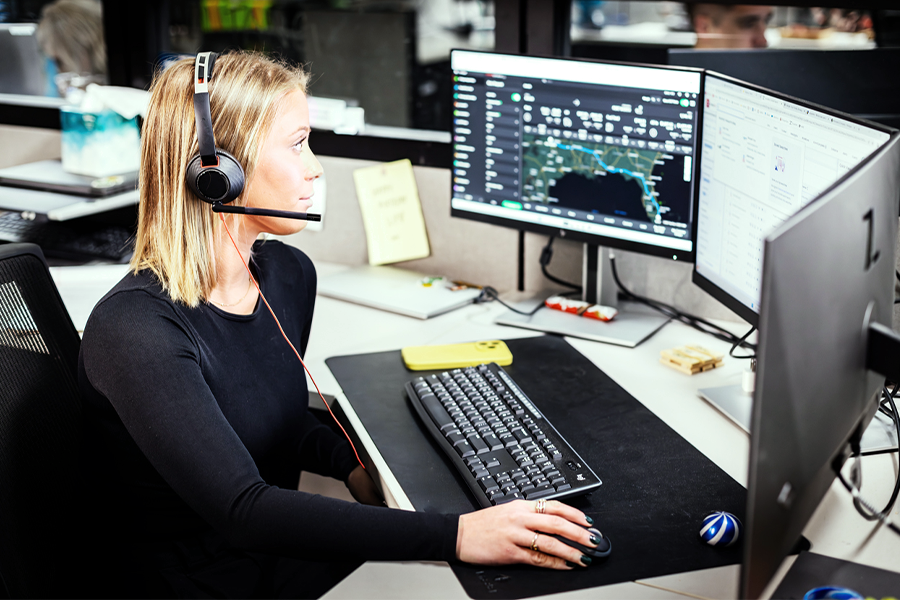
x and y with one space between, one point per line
720 529
832 593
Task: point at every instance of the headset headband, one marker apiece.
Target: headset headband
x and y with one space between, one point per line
203 66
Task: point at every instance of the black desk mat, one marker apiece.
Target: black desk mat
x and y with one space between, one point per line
811 570
656 486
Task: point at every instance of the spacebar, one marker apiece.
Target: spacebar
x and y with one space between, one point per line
436 410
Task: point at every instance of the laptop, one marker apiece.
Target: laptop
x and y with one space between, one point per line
397 290
43 188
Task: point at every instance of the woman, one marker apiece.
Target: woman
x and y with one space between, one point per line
200 406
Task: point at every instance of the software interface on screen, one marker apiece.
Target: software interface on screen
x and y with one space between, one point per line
762 159
601 149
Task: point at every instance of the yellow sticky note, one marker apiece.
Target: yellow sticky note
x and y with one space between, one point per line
391 212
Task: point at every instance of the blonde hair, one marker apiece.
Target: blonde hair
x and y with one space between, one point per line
71 32
176 230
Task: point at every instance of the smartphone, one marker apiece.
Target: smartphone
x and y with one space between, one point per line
456 356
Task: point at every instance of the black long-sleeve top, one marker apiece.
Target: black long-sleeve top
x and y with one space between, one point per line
203 416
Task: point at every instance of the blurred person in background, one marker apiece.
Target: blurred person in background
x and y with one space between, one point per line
735 26
70 33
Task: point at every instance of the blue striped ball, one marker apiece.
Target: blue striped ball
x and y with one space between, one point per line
720 529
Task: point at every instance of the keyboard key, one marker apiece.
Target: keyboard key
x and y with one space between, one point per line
492 441
479 445
508 498
455 438
536 493
435 409
521 434
488 484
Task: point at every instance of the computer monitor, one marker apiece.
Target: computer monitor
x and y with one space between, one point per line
764 155
597 152
851 81
22 66
828 277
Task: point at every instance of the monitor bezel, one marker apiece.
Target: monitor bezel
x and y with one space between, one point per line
570 234
706 284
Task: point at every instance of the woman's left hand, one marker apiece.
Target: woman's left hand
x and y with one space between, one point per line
363 489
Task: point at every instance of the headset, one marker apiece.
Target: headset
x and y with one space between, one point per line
214 175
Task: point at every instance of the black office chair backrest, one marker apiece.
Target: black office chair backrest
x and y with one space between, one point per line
41 496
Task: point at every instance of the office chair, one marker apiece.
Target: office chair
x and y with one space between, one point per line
42 518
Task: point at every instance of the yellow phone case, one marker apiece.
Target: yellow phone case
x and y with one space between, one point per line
456 356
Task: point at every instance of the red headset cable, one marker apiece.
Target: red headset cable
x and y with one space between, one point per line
297 354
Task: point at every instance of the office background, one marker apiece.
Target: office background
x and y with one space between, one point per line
401 81
401 91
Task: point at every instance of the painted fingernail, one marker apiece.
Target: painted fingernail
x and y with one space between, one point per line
586 560
594 540
572 565
589 520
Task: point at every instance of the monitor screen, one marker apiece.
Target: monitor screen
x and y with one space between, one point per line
602 151
763 157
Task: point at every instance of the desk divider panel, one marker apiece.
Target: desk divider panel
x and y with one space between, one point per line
656 486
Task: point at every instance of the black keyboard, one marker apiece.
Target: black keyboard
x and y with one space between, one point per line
499 442
67 239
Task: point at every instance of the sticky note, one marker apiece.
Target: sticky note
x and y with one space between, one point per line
391 212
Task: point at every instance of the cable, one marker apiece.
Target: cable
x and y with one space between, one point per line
739 342
546 257
863 507
673 313
297 354
488 293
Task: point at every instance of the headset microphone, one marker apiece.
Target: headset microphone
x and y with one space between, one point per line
264 212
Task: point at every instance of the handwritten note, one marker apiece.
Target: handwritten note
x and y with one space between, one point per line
391 212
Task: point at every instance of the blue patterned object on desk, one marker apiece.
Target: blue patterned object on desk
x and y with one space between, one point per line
720 529
832 593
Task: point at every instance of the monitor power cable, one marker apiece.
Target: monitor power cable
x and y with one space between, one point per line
740 342
853 485
692 321
546 257
489 293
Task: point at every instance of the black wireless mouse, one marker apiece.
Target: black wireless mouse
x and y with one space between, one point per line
602 549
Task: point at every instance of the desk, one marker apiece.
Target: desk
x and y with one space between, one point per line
341 328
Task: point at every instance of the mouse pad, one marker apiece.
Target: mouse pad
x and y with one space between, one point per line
815 570
656 486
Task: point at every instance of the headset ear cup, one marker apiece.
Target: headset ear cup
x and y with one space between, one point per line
219 183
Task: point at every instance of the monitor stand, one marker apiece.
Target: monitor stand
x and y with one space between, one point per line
737 405
630 327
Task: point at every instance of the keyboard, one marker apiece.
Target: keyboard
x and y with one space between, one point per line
67 239
498 440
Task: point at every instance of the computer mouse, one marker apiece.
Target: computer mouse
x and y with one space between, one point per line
602 549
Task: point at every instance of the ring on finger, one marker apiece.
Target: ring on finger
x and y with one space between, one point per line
540 506
534 545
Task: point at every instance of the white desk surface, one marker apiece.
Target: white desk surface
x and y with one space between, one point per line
341 328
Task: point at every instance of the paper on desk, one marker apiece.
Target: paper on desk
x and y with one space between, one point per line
391 212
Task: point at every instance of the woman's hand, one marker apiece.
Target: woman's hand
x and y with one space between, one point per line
362 488
507 533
